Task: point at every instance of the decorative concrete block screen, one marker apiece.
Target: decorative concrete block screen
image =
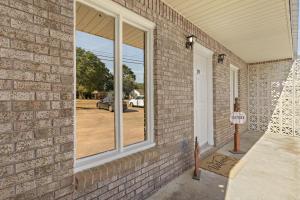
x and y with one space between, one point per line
274 97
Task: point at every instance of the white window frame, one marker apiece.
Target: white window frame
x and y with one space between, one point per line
235 80
121 15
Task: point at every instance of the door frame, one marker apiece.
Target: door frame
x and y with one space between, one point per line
198 48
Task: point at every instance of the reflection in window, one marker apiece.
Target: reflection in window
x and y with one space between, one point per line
133 85
94 82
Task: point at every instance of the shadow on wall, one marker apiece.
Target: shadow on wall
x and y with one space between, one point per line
274 97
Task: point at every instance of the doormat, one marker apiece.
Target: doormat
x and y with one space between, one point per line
219 164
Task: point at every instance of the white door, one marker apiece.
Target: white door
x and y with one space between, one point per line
202 98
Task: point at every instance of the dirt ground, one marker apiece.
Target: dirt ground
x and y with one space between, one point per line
95 128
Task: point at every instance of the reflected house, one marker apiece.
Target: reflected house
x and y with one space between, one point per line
188 60
136 92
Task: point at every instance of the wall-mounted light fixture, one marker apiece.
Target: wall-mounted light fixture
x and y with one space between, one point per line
221 58
190 41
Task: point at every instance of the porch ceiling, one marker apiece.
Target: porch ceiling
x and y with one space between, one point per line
255 30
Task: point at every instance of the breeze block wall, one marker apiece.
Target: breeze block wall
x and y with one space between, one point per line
36 104
36 99
274 97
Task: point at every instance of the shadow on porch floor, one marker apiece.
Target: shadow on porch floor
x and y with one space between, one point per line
211 186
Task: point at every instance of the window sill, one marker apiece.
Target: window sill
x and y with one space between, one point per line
100 159
127 161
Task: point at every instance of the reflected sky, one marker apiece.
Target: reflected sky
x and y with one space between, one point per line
132 57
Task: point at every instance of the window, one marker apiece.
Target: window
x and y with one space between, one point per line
114 106
233 86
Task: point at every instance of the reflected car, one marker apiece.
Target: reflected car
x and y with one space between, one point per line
137 102
108 103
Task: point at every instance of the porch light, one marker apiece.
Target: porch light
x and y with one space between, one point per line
221 58
190 41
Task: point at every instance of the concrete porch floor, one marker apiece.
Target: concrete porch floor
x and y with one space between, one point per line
272 163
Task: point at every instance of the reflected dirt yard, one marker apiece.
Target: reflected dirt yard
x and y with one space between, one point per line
95 128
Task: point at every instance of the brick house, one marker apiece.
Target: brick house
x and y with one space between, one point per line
48 152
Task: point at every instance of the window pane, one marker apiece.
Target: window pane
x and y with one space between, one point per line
94 82
134 120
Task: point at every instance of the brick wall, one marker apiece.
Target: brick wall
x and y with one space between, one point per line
36 82
36 107
141 174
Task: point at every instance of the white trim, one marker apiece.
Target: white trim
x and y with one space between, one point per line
122 15
75 82
198 48
118 83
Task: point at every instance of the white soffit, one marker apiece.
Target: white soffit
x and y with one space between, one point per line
255 30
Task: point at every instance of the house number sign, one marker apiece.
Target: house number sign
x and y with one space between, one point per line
238 118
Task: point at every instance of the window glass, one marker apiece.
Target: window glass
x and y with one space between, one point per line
134 124
94 82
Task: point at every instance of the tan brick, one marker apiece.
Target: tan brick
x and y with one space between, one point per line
47 151
46 77
22 116
47 95
33 144
6 170
4 42
29 46
47 41
19 178
61 35
46 59
43 123
6 63
62 70
34 163
66 147
11 53
31 105
5 106
31 66
5 84
5 10
5 116
5 21
62 88
7 192
32 28
16 136
67 12
63 156
23 125
63 139
66 54
16 157
26 7
47 114
23 187
62 122
60 18
25 96
67 45
15 74
5 95
21 85
56 104
5 127
6 148
47 132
